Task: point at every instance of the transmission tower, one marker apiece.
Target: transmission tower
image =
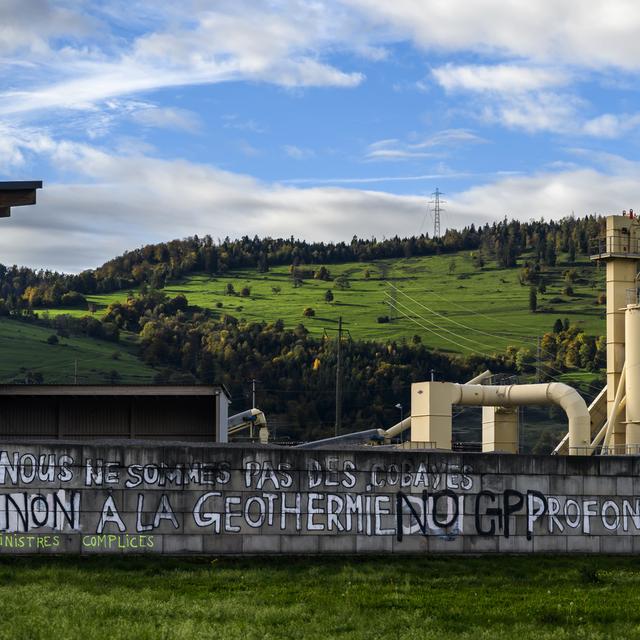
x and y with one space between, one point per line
437 210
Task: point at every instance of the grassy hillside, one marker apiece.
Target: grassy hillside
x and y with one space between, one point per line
24 349
445 300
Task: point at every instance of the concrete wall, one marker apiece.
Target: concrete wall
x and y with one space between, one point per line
64 497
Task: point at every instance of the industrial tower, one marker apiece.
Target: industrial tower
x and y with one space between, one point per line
620 250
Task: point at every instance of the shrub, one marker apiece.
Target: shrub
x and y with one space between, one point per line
383 319
73 299
308 312
52 339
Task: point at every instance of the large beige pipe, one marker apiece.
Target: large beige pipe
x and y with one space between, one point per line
632 368
598 415
524 394
479 378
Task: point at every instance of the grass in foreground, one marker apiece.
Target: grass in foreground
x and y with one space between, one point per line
422 598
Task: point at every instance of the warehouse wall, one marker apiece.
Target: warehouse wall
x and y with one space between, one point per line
194 418
135 497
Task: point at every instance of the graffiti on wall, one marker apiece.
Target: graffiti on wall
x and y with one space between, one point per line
124 507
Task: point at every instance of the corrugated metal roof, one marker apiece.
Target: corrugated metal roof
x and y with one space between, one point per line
111 390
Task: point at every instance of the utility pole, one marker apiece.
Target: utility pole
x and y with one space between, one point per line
437 210
538 358
338 425
253 393
75 372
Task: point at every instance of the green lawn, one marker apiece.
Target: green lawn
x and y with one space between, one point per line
24 348
406 598
449 303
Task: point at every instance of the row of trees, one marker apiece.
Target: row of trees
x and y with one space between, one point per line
155 264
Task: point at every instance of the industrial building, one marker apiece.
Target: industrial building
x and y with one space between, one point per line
140 412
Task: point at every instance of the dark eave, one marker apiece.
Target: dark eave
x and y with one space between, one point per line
17 194
20 185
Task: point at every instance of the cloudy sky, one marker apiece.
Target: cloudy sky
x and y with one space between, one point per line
150 120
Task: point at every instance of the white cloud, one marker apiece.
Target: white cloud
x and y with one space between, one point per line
535 112
124 201
29 25
551 195
392 149
395 154
595 34
298 153
611 125
167 118
252 41
233 121
500 78
449 138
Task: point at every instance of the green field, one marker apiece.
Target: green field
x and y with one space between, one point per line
443 299
418 598
25 349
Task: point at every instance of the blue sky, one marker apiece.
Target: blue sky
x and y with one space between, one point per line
320 119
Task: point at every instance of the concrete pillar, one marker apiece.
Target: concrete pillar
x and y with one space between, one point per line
222 417
500 429
431 418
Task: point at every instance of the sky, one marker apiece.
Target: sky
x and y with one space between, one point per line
319 119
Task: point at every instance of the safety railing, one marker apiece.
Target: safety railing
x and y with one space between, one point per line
411 444
633 296
468 447
610 450
619 242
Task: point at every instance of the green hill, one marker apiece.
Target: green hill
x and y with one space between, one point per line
26 353
445 300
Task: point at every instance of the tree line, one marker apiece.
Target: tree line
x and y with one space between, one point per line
155 264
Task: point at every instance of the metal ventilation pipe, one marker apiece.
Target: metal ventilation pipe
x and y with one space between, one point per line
525 394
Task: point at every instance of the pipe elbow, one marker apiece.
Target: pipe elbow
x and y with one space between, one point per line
568 398
577 412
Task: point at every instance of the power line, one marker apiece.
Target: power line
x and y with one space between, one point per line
424 219
438 334
440 315
453 333
468 340
468 328
482 315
